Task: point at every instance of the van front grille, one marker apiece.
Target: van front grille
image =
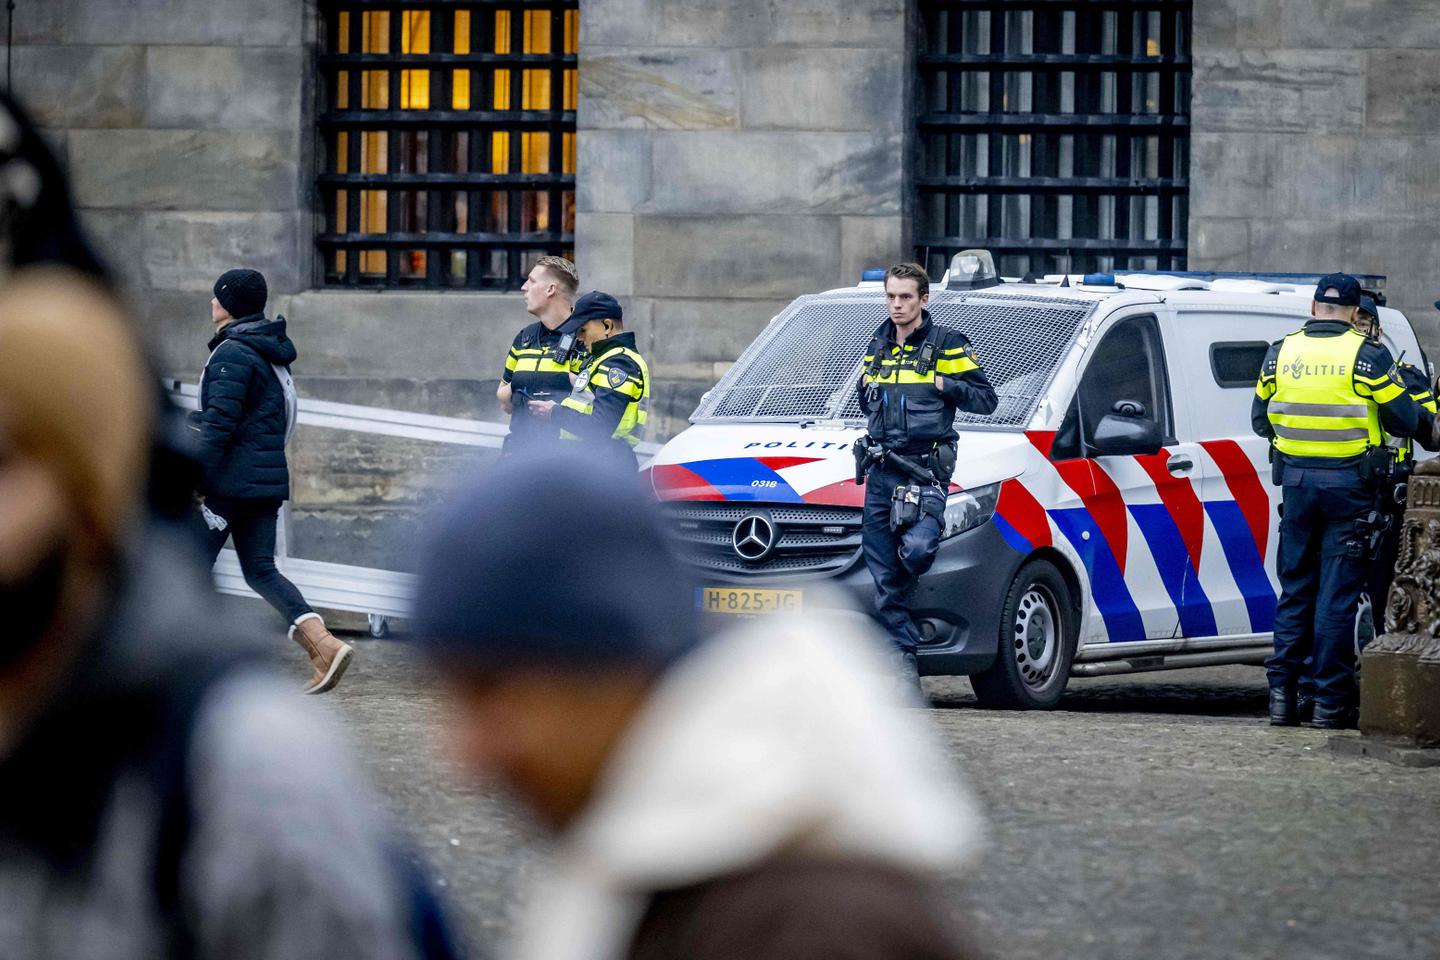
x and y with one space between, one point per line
805 540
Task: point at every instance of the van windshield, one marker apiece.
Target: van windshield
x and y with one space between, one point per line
805 364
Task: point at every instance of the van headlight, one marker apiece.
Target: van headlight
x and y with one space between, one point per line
969 509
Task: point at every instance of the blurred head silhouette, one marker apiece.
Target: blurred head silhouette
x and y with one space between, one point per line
548 644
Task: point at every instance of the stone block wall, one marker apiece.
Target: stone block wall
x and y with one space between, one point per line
731 157
1316 143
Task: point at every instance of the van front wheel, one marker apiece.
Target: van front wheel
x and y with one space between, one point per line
1037 643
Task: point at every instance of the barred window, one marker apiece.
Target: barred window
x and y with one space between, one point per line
1055 133
447 140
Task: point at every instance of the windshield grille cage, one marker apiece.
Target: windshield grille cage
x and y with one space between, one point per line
805 364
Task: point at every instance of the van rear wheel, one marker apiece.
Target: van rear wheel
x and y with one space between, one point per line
1037 643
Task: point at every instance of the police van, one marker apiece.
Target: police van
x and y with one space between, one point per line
1114 514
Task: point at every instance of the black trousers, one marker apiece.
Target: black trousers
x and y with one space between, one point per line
252 525
896 558
1321 579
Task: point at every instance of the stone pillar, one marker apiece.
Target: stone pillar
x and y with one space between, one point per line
1400 692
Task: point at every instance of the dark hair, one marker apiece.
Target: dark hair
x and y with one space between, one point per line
910 271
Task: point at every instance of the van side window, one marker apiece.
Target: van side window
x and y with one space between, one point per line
1237 363
1125 373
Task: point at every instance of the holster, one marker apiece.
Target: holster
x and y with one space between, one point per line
942 462
904 506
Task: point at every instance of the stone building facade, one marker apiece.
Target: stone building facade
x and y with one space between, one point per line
730 156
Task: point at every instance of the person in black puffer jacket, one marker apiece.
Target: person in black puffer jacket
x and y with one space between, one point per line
246 413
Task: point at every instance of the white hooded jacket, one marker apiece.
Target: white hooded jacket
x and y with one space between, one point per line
782 738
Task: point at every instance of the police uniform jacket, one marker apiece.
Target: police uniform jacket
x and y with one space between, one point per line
534 367
902 406
610 398
1326 395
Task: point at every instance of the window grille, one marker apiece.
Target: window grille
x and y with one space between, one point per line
1054 133
447 136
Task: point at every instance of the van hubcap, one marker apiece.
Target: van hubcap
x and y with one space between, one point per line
1037 636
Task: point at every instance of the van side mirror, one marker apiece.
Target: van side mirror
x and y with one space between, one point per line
1120 435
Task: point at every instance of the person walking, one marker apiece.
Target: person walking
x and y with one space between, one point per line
760 792
1326 397
916 375
542 359
609 404
247 411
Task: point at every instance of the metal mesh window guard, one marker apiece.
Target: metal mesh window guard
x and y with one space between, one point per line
805 364
447 140
1054 133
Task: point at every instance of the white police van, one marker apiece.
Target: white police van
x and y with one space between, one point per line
1114 514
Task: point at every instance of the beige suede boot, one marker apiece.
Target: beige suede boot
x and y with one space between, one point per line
328 656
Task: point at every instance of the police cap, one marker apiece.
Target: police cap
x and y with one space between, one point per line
1367 305
593 306
1347 290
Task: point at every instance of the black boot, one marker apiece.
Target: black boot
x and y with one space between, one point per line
1282 707
1304 706
1333 718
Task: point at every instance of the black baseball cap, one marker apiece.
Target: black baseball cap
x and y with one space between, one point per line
1347 290
1367 305
595 305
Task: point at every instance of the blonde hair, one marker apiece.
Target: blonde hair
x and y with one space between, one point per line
564 274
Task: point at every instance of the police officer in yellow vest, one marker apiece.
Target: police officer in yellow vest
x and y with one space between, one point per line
610 401
916 375
1326 398
543 357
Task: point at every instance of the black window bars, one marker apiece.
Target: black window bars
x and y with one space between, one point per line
447 140
1054 133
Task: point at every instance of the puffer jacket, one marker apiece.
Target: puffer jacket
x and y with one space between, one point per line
242 411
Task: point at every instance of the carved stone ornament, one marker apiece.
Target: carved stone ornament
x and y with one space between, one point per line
1400 687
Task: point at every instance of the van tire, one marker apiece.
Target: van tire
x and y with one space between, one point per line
1037 643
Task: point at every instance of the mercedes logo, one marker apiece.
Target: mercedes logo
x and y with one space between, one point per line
753 538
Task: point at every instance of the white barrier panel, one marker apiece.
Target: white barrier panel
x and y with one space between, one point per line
379 593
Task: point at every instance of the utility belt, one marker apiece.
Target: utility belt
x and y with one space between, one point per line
929 475
1375 467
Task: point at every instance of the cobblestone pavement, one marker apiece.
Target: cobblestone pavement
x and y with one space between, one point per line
1153 816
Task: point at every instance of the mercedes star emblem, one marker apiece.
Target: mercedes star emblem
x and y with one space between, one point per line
753 538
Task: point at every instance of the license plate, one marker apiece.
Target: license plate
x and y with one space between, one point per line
747 601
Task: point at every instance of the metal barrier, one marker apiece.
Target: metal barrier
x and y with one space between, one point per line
380 594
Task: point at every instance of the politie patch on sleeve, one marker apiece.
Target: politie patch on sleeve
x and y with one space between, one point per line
616 377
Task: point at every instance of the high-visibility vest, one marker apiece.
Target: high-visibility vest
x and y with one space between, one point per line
631 427
1315 409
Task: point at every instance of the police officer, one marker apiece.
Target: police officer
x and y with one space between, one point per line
1417 384
609 404
1325 399
542 357
915 376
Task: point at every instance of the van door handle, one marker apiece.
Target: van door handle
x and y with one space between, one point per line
1179 464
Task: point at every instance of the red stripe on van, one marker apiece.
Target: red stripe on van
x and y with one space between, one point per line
674 482
1245 486
1019 508
1180 499
1101 497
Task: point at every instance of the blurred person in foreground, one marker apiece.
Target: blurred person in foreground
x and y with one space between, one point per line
161 792
247 413
761 792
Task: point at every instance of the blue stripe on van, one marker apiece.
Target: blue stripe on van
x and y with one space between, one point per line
745 478
1107 584
1157 524
1246 564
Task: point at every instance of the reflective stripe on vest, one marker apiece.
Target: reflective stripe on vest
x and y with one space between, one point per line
1315 410
631 428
